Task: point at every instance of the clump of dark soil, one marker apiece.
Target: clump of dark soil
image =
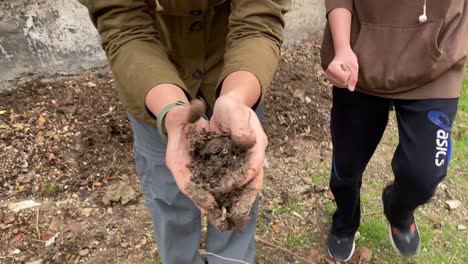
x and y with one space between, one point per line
218 167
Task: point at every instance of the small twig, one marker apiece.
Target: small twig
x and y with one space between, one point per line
37 224
7 196
109 112
224 258
310 136
278 144
453 258
8 122
109 168
259 240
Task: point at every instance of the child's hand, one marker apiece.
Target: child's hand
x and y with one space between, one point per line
344 69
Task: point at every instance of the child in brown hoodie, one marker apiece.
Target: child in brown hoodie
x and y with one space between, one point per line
409 54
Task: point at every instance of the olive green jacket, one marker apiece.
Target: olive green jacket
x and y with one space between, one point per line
193 44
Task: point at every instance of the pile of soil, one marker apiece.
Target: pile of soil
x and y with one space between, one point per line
218 163
63 141
62 136
297 104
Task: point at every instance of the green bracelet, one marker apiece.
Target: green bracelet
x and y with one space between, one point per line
162 115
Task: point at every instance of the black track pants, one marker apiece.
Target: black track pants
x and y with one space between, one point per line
419 163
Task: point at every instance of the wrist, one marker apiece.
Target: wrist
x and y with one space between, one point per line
242 87
343 49
340 20
233 97
175 118
162 95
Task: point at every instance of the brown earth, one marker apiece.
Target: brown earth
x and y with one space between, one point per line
66 143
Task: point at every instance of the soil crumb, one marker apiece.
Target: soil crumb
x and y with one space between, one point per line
218 167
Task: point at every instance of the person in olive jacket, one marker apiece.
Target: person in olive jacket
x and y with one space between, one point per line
409 54
164 53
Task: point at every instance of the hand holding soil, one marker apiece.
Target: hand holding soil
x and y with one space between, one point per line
219 165
228 163
180 122
244 128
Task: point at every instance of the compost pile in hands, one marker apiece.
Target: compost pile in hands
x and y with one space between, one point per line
219 166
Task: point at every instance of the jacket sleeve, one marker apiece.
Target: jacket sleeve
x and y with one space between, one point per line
136 56
254 38
332 4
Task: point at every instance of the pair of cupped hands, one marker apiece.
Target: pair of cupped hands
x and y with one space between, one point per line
232 117
229 117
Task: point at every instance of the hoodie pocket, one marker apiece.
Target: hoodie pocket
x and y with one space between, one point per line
397 58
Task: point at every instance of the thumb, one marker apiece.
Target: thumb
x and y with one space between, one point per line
241 210
200 197
197 110
353 79
338 72
242 133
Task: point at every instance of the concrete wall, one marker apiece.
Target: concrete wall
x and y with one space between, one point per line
50 36
306 19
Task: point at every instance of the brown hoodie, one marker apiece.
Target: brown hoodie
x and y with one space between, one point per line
400 57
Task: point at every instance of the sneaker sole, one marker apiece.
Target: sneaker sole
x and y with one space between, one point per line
349 257
395 247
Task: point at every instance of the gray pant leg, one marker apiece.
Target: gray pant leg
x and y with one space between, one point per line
236 244
176 221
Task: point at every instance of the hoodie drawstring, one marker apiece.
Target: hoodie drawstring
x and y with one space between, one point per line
159 7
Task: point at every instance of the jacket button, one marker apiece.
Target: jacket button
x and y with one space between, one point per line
196 12
196 26
197 74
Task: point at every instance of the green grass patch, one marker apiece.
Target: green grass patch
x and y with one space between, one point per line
52 188
300 240
289 214
293 204
463 104
262 223
152 260
322 176
460 136
437 245
330 207
373 230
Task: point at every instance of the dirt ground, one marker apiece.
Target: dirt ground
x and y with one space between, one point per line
66 144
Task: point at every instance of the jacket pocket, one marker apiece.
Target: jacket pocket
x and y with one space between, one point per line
398 58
